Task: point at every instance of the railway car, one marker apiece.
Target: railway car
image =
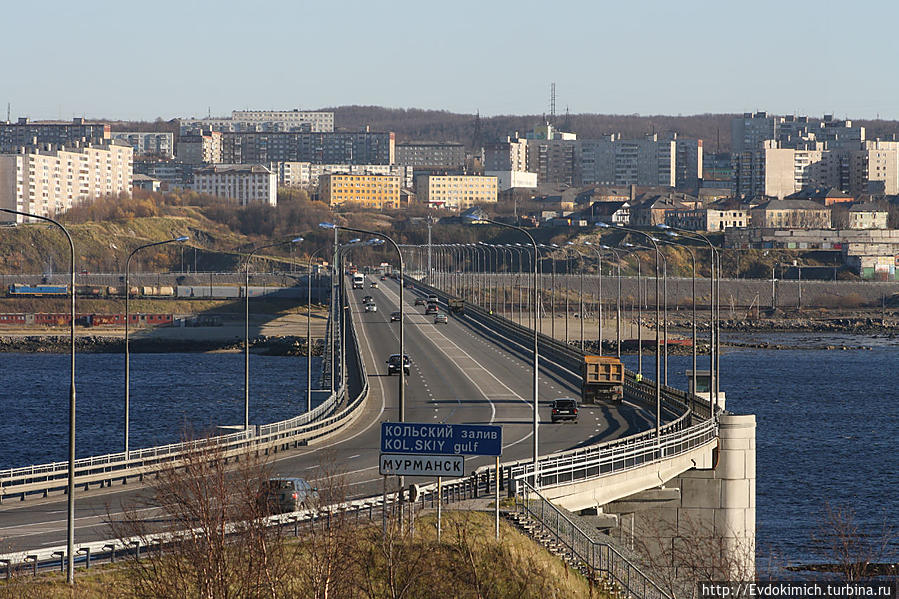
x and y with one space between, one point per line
12 319
38 290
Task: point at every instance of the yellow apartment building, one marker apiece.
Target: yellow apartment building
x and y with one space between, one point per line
368 191
456 192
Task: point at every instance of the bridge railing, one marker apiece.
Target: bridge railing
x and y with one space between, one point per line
323 419
598 557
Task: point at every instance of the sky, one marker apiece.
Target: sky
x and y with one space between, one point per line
142 60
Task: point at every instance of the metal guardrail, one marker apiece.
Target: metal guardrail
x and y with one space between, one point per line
43 478
597 557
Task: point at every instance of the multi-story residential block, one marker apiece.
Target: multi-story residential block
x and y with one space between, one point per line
321 148
50 180
145 143
263 121
368 191
709 219
509 155
307 174
616 161
866 216
456 192
200 148
718 171
243 183
687 163
790 214
431 155
170 173
25 133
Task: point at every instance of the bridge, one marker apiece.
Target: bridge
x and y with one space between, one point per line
610 465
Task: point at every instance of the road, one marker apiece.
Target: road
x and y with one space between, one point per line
458 375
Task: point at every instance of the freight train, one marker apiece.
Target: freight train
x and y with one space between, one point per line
86 320
164 291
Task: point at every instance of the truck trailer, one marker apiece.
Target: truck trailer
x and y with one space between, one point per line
603 378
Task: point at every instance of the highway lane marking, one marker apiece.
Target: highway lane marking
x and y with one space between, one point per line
354 456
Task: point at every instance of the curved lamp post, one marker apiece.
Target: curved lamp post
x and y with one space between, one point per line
309 331
127 322
672 234
246 339
714 308
483 219
70 485
402 382
658 382
618 302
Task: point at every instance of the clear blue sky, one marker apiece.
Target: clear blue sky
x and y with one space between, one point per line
140 60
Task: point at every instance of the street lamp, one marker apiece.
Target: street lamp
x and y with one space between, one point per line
581 293
70 485
618 302
598 293
633 250
658 382
127 322
246 339
674 235
309 331
482 218
714 308
402 383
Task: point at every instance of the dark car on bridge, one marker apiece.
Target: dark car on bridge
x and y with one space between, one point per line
393 364
287 494
394 316
564 408
419 301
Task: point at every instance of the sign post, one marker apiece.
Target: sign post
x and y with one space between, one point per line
438 450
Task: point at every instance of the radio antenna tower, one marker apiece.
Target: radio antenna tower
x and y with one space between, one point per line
552 101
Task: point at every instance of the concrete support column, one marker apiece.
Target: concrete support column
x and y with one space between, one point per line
721 502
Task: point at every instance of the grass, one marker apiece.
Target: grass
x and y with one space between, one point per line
467 563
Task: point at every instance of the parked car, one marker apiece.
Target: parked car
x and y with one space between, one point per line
371 308
394 316
287 494
368 299
419 301
440 318
564 408
393 364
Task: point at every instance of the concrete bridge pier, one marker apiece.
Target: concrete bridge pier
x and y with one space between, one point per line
700 524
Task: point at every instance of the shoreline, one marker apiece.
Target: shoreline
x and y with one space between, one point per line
279 345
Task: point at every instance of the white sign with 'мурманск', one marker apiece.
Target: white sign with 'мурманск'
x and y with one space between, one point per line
396 464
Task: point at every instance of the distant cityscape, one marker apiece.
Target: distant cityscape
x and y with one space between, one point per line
788 181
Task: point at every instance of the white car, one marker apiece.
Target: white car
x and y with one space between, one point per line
371 308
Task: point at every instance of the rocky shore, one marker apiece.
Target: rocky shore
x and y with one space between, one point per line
265 345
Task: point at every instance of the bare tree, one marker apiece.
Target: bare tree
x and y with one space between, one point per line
849 549
217 542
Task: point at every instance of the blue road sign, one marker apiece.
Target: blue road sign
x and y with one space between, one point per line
443 439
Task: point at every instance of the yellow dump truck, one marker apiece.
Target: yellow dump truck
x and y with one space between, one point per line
603 378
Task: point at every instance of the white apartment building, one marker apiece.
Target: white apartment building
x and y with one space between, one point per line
264 120
48 181
243 183
148 143
456 192
307 174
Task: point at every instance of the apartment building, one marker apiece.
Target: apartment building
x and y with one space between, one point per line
688 162
200 148
367 191
263 121
431 155
244 184
307 174
616 161
508 155
145 143
456 192
48 180
24 133
709 219
362 147
866 216
170 173
790 214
